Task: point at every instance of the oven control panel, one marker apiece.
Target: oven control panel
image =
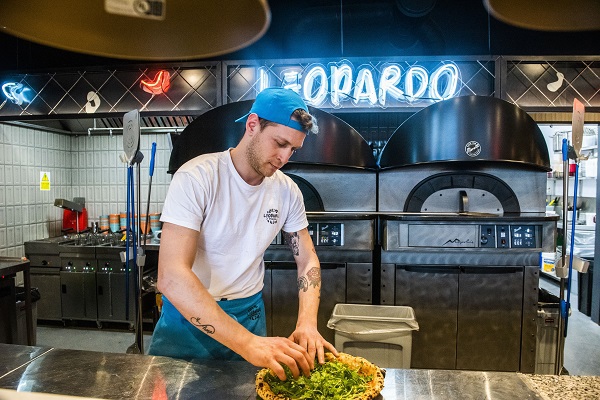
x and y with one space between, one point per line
329 234
523 235
508 236
322 234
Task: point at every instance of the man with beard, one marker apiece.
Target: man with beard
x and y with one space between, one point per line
221 213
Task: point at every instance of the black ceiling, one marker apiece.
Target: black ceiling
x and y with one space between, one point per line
353 28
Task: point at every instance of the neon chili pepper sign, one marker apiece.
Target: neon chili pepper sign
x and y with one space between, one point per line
159 85
341 85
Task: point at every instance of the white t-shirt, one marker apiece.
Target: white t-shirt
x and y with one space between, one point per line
236 221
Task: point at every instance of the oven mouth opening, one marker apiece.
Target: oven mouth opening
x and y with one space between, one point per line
464 180
312 199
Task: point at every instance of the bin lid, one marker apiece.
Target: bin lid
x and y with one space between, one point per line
370 319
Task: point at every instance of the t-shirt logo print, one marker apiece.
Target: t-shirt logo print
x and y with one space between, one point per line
272 215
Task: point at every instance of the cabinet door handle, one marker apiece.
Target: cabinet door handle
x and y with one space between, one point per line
450 269
64 288
491 270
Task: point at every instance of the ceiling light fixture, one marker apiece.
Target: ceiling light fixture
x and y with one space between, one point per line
544 15
139 29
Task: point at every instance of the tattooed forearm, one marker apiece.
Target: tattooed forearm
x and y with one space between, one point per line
205 327
312 278
292 241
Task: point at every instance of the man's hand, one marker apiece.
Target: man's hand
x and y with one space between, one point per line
272 352
311 340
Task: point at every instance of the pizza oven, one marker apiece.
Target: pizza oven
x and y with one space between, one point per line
462 190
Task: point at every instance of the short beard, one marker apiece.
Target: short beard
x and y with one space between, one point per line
252 154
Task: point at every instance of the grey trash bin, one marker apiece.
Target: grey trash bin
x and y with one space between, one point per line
381 334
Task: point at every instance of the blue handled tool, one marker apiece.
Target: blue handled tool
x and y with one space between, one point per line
152 155
152 159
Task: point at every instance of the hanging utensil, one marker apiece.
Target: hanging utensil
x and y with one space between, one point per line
152 155
577 127
566 264
134 157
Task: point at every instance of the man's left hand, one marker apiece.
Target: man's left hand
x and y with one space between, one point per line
309 338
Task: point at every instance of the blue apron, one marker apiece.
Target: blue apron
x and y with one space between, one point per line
176 337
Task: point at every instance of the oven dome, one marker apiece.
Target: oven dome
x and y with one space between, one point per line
337 143
468 128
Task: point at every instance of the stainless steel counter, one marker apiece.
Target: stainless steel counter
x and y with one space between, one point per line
123 376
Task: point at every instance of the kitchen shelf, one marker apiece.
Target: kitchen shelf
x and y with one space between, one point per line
578 227
581 178
549 276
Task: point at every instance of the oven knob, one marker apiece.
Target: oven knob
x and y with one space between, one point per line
484 240
44 262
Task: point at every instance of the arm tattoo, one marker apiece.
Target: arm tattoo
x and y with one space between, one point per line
302 284
205 327
292 241
312 278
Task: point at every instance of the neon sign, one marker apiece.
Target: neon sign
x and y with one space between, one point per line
159 85
340 84
15 92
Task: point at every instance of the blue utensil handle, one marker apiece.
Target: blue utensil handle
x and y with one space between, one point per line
152 158
565 149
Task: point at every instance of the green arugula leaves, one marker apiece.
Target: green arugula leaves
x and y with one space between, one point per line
333 380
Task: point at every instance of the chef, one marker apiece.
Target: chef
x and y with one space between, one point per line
221 213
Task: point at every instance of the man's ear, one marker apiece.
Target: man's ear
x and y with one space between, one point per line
252 124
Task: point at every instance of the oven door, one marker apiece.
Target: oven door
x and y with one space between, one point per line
470 317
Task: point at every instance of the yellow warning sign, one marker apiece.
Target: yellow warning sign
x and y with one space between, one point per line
44 180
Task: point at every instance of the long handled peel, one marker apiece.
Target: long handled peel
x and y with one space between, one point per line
568 152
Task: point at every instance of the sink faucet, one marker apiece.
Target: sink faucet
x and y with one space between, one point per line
78 237
66 232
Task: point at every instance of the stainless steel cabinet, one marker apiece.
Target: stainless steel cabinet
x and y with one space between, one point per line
84 282
469 317
47 281
490 303
78 288
114 304
433 294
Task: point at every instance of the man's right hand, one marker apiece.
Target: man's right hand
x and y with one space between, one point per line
272 352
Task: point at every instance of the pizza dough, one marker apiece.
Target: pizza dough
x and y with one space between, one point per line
359 364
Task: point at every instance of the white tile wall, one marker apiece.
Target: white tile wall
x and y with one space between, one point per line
79 166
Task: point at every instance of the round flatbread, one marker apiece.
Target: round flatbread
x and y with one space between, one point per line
359 364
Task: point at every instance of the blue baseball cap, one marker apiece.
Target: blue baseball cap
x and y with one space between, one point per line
277 105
